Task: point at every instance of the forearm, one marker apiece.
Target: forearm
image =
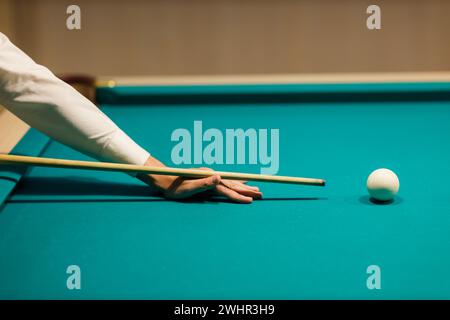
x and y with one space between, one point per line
38 97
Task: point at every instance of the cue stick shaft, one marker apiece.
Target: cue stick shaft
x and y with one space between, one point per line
130 168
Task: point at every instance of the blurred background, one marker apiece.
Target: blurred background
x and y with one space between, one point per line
303 38
214 37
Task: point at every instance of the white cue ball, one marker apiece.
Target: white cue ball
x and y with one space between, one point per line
383 184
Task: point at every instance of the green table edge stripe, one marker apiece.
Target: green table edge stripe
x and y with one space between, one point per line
32 144
136 94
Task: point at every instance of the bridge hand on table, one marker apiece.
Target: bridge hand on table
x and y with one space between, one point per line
174 187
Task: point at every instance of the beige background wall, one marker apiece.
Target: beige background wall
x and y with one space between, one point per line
155 37
6 17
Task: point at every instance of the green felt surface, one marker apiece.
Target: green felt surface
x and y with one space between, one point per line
299 242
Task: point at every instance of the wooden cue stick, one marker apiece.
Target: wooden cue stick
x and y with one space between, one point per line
191 173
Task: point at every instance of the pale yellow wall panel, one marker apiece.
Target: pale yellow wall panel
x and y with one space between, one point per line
12 130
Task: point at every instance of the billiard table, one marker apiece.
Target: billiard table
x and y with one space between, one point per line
298 242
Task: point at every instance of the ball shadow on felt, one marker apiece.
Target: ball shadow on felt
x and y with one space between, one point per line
368 200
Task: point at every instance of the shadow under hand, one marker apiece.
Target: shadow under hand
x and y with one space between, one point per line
77 189
210 198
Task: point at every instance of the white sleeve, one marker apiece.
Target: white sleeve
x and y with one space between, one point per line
35 95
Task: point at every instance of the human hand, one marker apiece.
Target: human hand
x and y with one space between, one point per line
174 187
237 191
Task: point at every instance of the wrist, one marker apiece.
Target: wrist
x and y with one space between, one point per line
160 182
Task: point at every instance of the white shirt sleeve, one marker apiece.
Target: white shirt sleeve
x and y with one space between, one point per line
35 95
